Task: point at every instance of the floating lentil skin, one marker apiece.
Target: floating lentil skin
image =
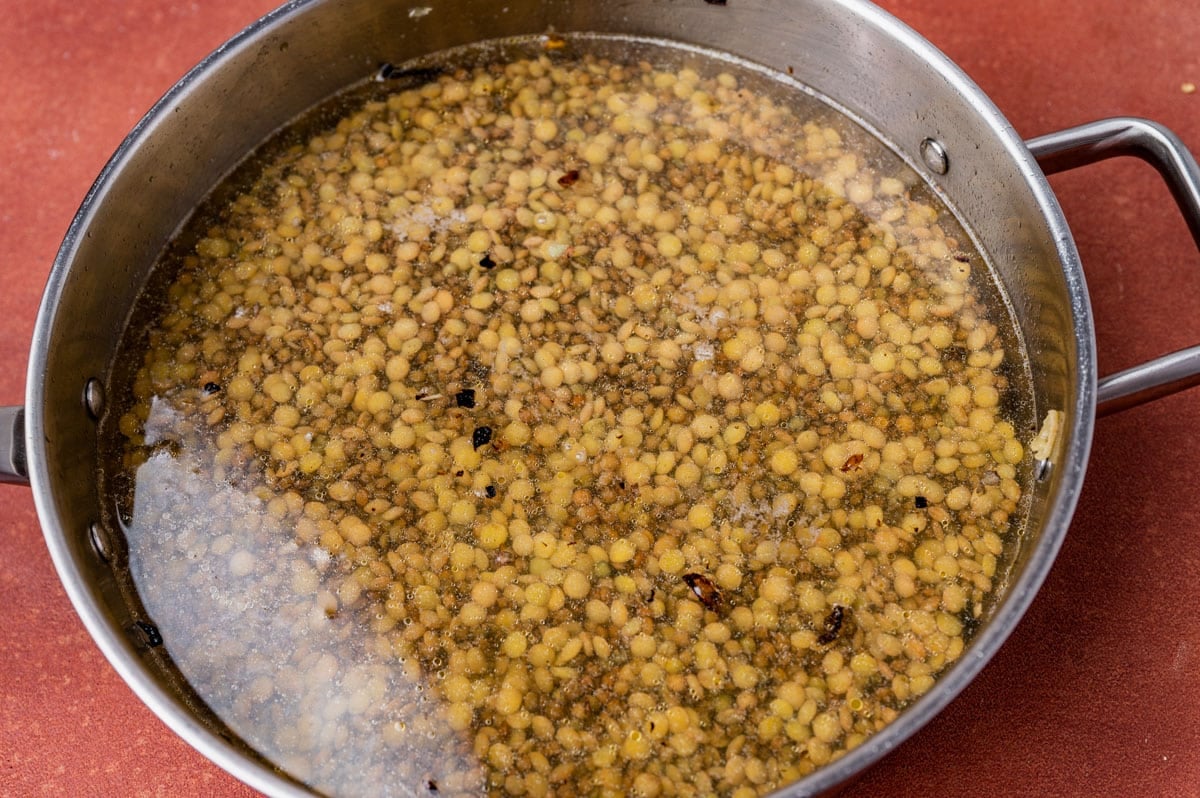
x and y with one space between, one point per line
746 476
705 591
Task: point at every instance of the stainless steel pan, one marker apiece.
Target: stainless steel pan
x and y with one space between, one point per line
863 60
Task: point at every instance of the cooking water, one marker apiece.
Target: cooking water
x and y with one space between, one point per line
547 424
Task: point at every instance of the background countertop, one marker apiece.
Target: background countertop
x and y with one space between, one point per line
1097 691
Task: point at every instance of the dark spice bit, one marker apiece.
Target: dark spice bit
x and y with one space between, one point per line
149 634
569 178
478 369
465 397
408 77
480 436
852 462
211 387
704 590
490 491
921 502
833 625
955 352
486 262
970 623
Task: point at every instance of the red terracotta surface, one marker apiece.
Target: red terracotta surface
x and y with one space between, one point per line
1098 690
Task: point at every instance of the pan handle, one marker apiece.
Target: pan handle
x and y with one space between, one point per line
13 468
1162 149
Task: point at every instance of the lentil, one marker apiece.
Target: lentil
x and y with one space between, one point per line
711 352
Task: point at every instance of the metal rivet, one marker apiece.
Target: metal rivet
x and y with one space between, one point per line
1042 469
100 542
93 397
934 155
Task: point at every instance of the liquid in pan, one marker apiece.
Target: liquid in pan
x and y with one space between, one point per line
539 422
